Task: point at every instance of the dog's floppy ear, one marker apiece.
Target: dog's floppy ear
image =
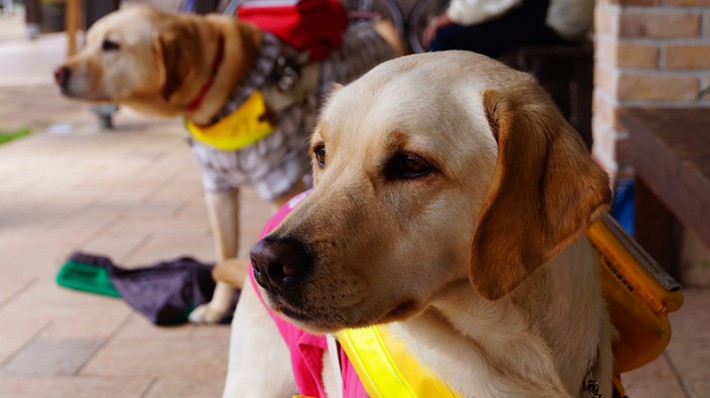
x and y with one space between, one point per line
176 53
546 191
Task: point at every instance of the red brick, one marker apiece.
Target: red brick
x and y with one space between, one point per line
705 86
604 51
688 3
604 147
630 2
605 80
687 56
606 20
656 87
606 112
659 25
636 56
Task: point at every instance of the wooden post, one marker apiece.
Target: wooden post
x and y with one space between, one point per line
71 21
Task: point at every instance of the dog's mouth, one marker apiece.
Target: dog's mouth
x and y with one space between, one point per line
314 321
330 320
69 93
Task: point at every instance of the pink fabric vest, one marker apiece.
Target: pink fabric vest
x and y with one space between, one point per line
307 349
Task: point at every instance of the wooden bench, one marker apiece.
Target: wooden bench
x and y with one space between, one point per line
670 153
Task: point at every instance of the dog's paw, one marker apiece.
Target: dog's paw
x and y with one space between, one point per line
206 313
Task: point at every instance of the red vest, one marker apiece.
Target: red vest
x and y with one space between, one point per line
315 26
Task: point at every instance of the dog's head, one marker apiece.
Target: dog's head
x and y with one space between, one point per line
152 61
431 170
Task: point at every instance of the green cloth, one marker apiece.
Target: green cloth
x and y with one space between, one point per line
86 277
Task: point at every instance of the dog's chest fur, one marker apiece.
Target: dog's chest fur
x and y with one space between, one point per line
502 348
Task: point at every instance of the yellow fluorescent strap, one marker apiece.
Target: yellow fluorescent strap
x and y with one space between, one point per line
386 369
241 128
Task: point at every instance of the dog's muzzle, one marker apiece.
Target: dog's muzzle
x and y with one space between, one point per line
279 263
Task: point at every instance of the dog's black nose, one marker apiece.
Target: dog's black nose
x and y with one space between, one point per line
61 76
277 262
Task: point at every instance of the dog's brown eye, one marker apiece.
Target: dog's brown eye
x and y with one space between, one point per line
413 166
109 45
407 166
319 151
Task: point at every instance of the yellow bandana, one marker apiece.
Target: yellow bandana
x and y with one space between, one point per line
239 129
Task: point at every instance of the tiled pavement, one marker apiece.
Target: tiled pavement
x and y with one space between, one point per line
134 194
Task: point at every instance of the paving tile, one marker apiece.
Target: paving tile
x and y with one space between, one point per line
658 370
45 292
164 357
138 326
210 331
24 215
692 320
16 335
114 246
92 322
51 357
159 225
653 389
699 388
31 256
193 212
155 249
155 207
70 313
33 64
11 285
186 388
74 387
691 357
81 225
653 380
689 348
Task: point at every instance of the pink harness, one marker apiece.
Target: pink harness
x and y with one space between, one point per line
307 349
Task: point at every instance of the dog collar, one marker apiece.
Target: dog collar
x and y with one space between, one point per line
195 103
256 78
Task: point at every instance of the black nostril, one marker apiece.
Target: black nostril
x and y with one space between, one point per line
258 275
61 76
278 261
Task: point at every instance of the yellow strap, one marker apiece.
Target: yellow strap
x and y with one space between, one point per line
238 130
386 369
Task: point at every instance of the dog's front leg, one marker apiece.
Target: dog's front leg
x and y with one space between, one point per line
259 361
223 212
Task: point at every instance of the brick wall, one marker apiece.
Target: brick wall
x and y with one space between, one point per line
647 53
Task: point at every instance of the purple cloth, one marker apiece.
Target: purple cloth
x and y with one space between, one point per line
166 292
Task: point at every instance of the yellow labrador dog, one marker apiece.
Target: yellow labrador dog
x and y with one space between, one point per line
450 202
205 68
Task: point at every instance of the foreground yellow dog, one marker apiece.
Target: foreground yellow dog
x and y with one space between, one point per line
450 202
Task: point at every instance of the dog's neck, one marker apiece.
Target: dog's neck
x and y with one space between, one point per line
240 45
525 345
216 64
